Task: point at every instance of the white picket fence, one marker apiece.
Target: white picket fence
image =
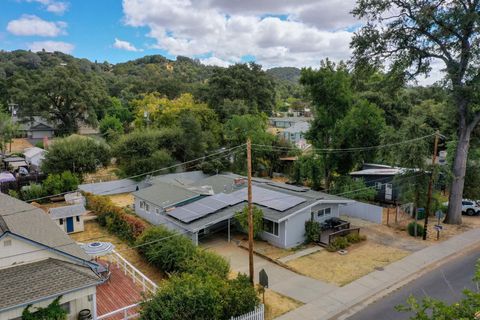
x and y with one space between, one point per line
257 314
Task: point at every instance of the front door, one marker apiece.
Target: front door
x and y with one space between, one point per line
69 225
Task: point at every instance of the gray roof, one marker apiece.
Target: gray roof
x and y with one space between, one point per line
113 187
309 195
301 126
67 211
27 283
165 194
180 178
30 222
219 183
291 119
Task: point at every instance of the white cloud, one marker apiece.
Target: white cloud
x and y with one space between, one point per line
31 25
51 46
54 6
214 61
275 32
125 45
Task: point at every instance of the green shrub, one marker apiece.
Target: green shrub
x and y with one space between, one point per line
191 296
206 263
355 237
14 193
117 220
51 312
312 231
32 191
242 218
60 182
170 253
411 229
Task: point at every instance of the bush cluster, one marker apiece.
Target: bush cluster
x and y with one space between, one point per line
340 243
177 254
190 296
411 229
312 231
54 184
117 220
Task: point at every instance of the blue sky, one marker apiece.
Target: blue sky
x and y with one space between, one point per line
92 27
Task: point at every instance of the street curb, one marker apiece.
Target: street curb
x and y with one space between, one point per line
362 304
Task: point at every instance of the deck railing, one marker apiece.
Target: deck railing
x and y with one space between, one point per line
136 275
128 312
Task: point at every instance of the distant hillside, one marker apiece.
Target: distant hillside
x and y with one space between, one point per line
290 74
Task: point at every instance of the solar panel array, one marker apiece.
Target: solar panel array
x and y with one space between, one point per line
203 207
269 198
264 197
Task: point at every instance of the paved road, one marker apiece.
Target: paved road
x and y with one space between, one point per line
445 283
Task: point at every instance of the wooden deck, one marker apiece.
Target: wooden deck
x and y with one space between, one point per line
116 293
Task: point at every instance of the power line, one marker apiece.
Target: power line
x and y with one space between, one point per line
354 149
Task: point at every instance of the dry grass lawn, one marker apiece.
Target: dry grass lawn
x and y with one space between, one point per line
361 259
122 199
277 304
93 231
19 145
101 175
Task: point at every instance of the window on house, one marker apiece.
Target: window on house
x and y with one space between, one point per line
157 210
270 227
7 243
61 221
324 212
142 205
77 218
66 306
378 185
147 207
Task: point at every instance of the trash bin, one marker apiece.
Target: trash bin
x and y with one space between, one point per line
85 314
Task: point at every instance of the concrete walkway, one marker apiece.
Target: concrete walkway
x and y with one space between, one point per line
282 280
301 253
337 301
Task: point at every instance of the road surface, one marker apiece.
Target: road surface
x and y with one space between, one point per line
445 282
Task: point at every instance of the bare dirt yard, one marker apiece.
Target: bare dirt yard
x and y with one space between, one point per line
122 199
277 304
361 259
101 175
19 145
93 231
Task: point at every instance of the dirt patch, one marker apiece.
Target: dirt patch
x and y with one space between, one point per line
277 304
93 231
360 260
102 175
19 145
122 199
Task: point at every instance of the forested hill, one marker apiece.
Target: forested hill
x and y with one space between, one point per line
290 74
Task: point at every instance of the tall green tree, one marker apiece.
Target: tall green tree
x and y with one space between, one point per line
8 130
411 35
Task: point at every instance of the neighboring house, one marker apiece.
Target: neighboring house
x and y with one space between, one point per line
69 218
36 128
39 262
286 122
113 187
381 177
285 207
295 134
34 156
14 163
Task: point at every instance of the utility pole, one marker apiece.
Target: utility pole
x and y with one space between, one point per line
430 182
250 210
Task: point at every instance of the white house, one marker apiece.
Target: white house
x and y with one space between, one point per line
39 262
69 218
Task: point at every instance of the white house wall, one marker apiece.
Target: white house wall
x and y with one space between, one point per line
17 251
79 300
78 226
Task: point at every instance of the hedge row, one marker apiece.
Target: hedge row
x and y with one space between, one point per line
117 220
171 252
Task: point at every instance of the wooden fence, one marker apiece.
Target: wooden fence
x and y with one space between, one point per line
257 314
342 233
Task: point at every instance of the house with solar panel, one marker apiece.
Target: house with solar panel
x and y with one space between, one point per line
208 204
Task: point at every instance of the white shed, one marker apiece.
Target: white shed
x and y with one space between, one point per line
69 218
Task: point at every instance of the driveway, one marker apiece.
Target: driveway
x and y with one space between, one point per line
281 280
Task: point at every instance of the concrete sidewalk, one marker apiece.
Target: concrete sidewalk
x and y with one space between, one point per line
340 300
